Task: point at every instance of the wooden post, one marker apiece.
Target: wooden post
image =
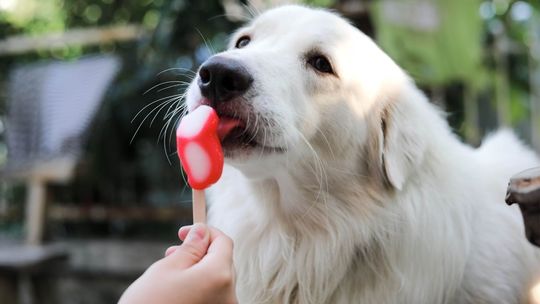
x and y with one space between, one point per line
25 288
35 211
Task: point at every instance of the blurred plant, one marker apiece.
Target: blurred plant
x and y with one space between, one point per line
512 38
482 46
31 16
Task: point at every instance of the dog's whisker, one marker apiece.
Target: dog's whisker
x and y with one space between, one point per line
169 117
164 83
171 140
193 74
152 103
251 9
206 42
168 100
184 177
254 128
248 126
169 114
178 105
242 17
179 85
171 102
257 127
180 108
162 106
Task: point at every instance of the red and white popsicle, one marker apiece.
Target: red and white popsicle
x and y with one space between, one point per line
200 153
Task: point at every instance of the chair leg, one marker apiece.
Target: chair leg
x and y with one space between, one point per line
25 288
35 211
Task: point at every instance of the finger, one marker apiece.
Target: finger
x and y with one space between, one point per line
223 240
217 264
170 250
194 247
220 251
183 232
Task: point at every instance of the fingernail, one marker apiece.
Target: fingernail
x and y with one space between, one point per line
197 232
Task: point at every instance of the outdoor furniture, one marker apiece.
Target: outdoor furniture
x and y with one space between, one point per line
50 106
25 262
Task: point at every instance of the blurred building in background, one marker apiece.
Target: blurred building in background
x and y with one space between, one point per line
89 95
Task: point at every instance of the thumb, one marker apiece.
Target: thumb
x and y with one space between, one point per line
194 247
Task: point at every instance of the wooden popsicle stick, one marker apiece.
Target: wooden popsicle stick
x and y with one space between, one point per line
199 206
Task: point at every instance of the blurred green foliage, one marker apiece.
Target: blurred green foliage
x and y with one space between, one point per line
31 16
478 47
45 16
437 42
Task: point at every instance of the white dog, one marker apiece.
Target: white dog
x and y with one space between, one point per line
343 184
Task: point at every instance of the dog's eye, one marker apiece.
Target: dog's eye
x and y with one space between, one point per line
242 42
321 64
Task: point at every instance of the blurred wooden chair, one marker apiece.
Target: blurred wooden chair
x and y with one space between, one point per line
50 106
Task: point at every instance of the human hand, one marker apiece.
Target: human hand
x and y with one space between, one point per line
198 271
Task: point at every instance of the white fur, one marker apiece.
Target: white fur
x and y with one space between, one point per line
374 200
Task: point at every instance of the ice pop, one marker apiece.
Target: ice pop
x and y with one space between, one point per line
200 153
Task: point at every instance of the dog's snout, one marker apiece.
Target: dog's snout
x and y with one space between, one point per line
222 79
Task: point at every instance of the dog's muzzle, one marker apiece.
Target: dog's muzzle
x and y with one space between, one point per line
222 79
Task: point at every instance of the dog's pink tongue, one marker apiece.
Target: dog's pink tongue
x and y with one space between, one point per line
226 125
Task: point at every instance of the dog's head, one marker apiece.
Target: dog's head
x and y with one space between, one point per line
298 81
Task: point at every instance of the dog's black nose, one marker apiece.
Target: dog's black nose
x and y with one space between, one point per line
222 79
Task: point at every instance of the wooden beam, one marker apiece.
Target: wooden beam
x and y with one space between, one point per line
58 170
21 44
98 213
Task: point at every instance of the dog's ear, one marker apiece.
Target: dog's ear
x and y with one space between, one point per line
396 146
